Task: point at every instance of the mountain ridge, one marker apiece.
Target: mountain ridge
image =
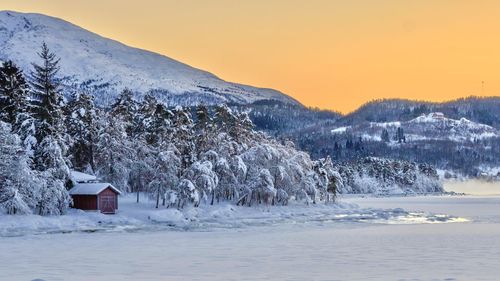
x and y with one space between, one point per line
479 109
104 67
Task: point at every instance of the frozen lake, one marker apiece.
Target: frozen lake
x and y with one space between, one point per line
318 251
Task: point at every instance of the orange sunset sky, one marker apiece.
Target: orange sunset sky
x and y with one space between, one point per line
325 53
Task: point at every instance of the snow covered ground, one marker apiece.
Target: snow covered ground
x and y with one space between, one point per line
388 238
142 217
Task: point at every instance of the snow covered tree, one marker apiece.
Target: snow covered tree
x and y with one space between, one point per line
145 111
204 130
165 177
329 180
82 130
183 136
237 126
49 119
282 182
265 187
18 183
47 96
242 130
187 192
54 198
228 182
14 106
50 157
379 175
154 122
125 109
140 176
114 152
205 180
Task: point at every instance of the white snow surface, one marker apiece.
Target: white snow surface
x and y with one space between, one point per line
87 58
81 177
132 216
91 188
340 130
310 250
432 127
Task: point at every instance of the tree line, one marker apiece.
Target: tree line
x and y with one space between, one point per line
177 155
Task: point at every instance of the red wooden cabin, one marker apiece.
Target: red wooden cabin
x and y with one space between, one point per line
95 196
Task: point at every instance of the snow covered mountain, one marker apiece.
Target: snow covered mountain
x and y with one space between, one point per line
433 126
105 67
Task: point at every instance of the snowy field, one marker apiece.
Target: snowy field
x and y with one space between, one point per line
391 238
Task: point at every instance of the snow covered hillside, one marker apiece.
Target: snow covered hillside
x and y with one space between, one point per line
106 67
433 126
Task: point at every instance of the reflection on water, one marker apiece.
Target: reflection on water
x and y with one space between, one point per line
473 187
422 218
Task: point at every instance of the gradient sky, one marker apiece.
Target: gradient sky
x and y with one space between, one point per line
325 53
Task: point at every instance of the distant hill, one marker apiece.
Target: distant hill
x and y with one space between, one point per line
432 126
461 135
481 110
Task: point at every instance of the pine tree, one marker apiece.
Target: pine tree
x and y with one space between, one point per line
13 95
125 109
223 117
204 129
242 129
183 136
154 122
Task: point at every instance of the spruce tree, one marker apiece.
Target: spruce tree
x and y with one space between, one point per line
47 96
50 148
15 106
13 95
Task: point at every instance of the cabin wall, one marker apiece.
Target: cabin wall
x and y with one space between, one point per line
85 202
108 201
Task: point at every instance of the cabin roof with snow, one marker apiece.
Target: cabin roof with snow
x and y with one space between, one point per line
91 188
80 177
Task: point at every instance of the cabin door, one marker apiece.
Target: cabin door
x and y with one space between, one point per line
107 204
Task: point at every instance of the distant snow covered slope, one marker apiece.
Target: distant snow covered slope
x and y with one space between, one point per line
433 126
105 67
